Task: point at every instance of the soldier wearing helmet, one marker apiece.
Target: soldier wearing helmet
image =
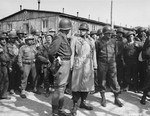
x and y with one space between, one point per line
106 56
26 62
60 51
93 35
83 64
146 81
52 32
131 52
13 50
99 33
141 31
120 41
4 63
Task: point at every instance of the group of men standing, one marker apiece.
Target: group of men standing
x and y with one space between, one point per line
88 62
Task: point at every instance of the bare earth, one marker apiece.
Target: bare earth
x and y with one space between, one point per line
39 105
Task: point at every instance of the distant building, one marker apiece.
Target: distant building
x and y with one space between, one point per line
27 20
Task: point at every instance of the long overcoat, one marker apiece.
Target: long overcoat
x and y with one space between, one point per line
83 63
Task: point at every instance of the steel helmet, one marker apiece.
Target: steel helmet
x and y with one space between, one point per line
29 37
148 32
93 32
120 30
20 32
13 34
141 29
51 30
99 32
129 33
65 24
107 29
84 26
2 37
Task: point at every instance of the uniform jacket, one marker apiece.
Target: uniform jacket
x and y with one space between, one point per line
106 50
4 57
42 54
83 62
12 51
120 42
131 51
60 46
26 53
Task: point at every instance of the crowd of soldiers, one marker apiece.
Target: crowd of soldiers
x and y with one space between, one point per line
85 62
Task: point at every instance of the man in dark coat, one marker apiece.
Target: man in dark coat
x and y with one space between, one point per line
60 50
146 57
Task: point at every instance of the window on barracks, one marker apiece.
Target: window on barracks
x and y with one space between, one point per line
93 27
45 24
9 26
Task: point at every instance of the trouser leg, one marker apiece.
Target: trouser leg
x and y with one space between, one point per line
83 101
5 81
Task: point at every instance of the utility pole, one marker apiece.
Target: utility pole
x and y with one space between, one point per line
39 4
111 13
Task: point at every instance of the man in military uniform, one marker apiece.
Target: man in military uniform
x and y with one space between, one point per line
43 63
26 61
93 35
60 49
131 52
146 57
119 56
52 32
142 63
106 50
4 62
13 67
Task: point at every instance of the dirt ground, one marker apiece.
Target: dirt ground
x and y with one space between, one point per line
39 105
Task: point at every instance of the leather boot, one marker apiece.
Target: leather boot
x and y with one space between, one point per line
61 112
85 106
143 99
117 101
103 101
74 109
54 110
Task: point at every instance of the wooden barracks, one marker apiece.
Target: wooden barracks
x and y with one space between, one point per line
27 20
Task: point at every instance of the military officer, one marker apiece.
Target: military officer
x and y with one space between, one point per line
60 49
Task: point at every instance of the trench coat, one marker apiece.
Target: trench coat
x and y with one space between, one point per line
83 63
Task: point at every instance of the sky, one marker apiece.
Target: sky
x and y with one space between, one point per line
130 13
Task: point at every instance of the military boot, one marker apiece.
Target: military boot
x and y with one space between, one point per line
61 112
117 101
103 101
83 105
143 99
54 110
74 109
